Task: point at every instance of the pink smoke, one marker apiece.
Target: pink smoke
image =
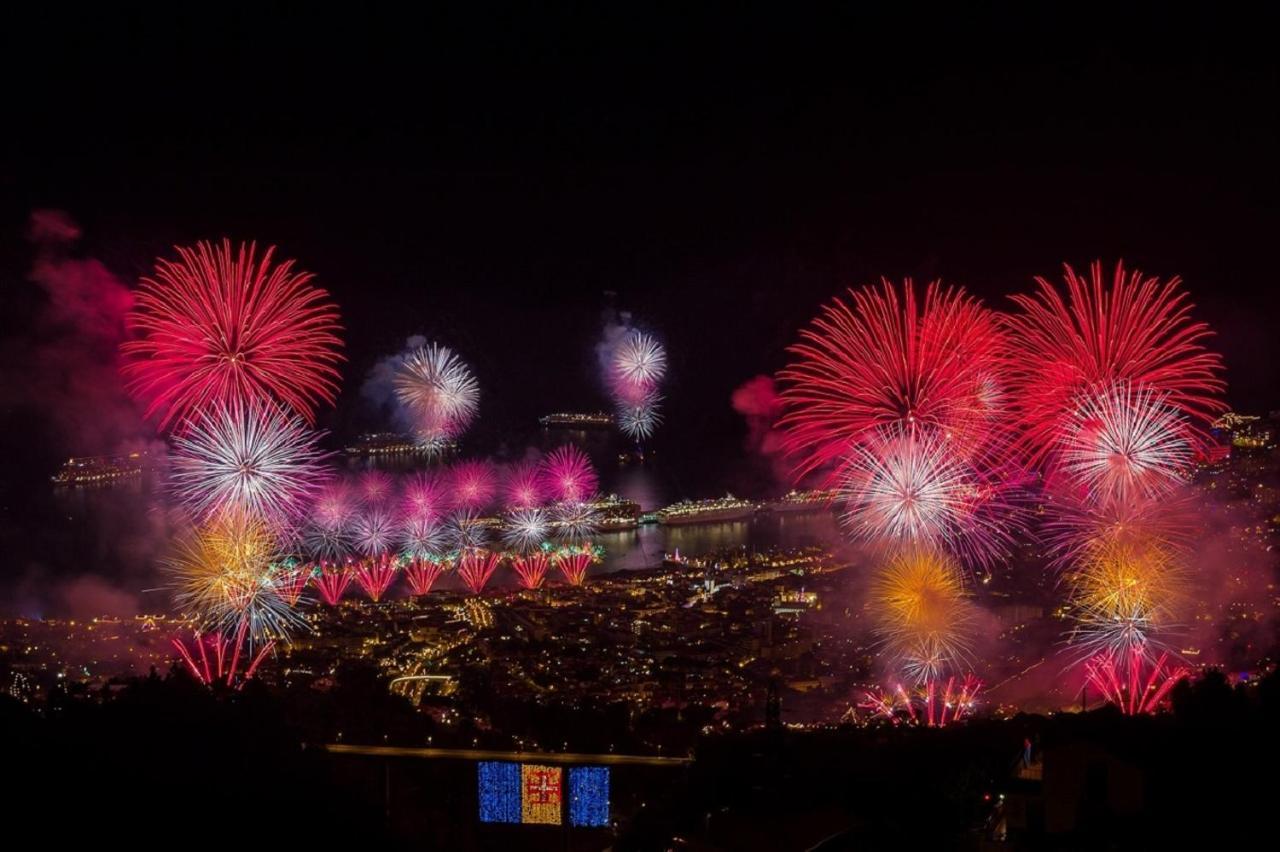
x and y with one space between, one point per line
758 402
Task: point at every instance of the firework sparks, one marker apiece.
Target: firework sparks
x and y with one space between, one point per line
1133 680
639 363
531 568
575 522
422 537
212 650
574 560
638 420
332 579
246 458
375 531
526 529
474 484
524 487
466 531
421 574
231 328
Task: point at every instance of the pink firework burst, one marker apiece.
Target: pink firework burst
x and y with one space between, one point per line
473 484
573 562
523 487
206 657
569 474
1136 682
229 327
375 487
425 496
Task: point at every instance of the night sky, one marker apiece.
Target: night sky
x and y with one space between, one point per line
487 179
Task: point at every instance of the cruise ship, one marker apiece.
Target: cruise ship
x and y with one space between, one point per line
616 513
395 444
98 470
816 500
726 508
577 420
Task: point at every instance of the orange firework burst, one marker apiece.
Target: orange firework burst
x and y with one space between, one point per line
922 613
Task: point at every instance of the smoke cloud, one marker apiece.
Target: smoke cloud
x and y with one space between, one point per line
758 402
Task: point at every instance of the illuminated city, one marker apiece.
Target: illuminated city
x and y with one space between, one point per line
848 437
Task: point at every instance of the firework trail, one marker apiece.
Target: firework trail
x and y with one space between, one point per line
375 574
213 650
569 474
228 328
438 390
1137 332
290 578
475 566
885 360
247 458
332 579
473 484
531 568
524 487
421 574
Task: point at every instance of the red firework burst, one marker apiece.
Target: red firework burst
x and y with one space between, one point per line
885 360
1138 332
475 566
573 563
421 574
531 568
231 327
570 475
425 497
213 664
1137 685
290 580
376 574
332 581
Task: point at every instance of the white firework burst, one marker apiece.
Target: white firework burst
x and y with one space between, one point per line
575 522
638 420
422 537
375 531
438 389
1125 442
466 531
526 529
252 458
639 361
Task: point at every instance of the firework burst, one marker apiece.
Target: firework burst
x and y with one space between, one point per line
421 574
638 420
885 360
570 474
438 390
1119 443
473 484
526 529
574 561
375 574
475 566
422 537
375 531
246 458
466 531
639 363
531 568
524 487
923 617
231 328
1137 331
574 523
332 579
908 487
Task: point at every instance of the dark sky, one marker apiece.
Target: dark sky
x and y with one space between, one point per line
484 178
